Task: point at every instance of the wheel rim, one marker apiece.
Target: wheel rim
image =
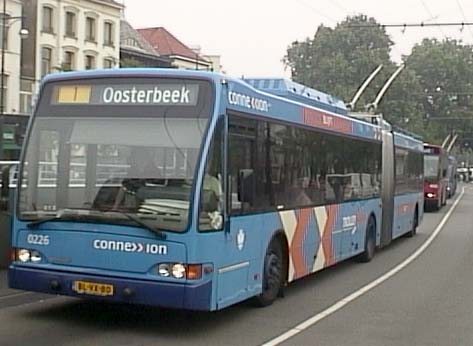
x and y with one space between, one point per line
273 271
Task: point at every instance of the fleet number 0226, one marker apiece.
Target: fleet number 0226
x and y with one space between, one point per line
38 239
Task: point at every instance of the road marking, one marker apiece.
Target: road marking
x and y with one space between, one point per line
14 295
353 296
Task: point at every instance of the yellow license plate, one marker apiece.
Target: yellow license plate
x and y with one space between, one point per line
92 288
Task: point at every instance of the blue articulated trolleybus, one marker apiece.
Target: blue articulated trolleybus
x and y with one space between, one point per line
188 189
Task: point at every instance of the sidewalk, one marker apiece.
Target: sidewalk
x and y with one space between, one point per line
4 290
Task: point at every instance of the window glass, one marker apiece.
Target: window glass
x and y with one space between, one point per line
68 64
89 62
211 196
46 56
48 19
107 63
108 34
6 18
288 167
71 24
90 29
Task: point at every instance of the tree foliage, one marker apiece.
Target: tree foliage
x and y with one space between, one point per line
437 80
338 60
445 73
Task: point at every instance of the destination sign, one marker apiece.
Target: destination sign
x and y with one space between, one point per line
125 95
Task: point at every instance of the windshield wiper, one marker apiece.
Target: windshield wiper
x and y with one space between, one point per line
86 214
58 217
143 224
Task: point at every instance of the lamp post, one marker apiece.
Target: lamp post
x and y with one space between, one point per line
23 34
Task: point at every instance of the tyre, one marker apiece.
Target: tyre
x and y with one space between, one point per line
370 241
273 277
415 223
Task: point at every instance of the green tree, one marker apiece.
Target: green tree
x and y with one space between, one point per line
445 73
338 60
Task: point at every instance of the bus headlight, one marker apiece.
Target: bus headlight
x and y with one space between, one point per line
35 257
182 270
163 270
178 270
24 255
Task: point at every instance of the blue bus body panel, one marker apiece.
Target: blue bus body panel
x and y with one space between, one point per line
404 209
317 238
299 93
406 142
147 292
405 205
241 97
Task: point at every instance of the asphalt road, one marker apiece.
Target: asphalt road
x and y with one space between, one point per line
427 303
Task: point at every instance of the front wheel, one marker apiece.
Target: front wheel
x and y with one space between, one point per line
272 274
370 241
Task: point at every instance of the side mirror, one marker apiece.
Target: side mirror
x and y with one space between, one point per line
246 186
5 190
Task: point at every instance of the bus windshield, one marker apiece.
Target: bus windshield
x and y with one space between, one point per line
103 165
431 166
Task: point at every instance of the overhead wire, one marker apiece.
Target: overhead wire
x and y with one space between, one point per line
432 16
316 10
464 17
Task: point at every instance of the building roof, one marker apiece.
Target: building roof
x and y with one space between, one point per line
167 44
133 40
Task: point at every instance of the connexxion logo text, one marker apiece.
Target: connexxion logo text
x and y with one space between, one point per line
129 246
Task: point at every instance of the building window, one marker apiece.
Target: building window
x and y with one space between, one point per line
108 34
5 93
26 96
89 62
68 64
5 17
70 24
48 20
46 58
108 63
90 29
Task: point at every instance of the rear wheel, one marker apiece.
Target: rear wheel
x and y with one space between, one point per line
370 241
415 223
273 278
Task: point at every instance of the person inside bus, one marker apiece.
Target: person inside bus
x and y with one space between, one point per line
211 198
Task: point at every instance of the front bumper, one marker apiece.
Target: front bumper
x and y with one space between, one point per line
132 291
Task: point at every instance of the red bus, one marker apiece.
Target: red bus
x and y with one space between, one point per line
435 176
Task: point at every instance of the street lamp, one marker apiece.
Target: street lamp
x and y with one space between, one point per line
23 34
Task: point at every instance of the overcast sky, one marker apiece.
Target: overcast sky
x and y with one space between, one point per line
252 36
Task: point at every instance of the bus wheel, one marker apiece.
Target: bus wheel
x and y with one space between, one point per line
272 274
415 223
370 241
